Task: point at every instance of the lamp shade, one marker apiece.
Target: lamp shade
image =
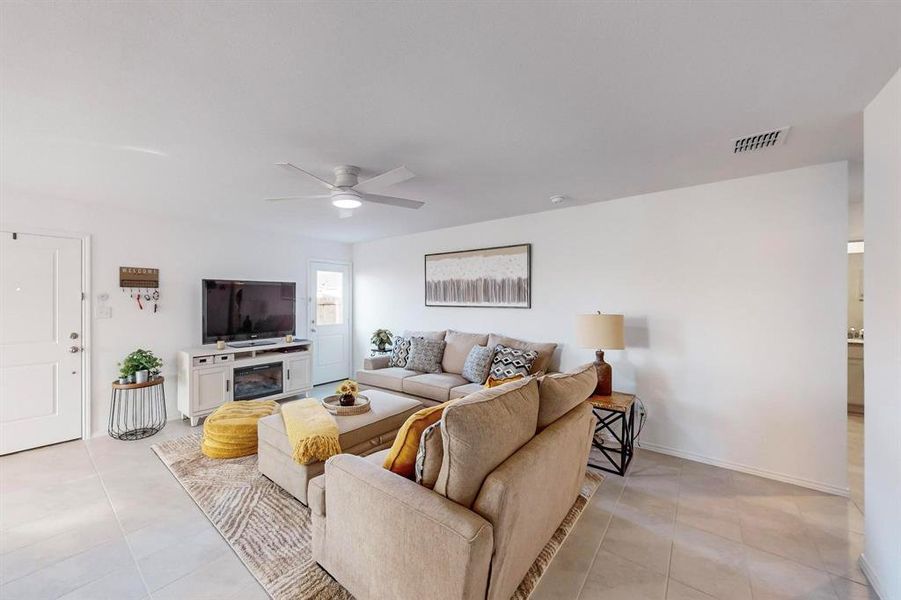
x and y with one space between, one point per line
600 331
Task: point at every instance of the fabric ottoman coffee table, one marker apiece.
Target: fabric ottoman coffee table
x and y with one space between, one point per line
358 434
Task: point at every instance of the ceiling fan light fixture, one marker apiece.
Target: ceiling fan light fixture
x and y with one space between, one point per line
347 194
347 201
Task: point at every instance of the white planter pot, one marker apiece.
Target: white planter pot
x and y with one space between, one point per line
141 376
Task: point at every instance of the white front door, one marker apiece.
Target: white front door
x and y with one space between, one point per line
330 310
40 340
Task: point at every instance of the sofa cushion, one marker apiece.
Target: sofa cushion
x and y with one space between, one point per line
401 458
429 455
561 392
477 365
545 350
429 335
464 390
425 355
391 378
481 431
510 362
457 349
400 353
436 386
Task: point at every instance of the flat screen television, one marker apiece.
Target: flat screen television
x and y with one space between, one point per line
247 310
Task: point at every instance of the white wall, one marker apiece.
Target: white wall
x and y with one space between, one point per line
882 320
185 252
855 221
735 297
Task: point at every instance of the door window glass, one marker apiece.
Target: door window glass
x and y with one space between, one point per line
329 298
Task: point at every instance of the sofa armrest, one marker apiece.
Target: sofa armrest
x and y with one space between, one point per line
388 537
316 495
375 362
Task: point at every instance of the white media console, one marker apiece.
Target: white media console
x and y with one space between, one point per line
208 377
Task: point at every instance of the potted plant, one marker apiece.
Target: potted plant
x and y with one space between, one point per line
381 339
139 366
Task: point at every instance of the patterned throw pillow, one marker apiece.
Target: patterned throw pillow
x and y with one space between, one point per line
429 456
425 355
400 353
477 364
508 362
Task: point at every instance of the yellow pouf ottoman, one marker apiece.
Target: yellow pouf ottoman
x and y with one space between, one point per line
231 430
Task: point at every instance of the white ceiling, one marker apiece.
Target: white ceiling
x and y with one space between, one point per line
182 108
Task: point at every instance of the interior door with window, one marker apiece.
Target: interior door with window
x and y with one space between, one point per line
40 340
330 310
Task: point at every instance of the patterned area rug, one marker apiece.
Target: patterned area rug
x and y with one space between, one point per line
271 532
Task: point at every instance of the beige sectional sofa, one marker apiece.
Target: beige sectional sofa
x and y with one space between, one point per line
434 388
512 464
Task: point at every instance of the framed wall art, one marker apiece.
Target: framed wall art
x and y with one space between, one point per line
498 277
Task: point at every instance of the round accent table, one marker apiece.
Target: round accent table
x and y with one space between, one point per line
137 410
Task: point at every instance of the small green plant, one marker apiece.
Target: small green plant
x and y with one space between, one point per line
140 360
381 338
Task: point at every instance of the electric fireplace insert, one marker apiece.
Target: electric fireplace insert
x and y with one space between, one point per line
258 381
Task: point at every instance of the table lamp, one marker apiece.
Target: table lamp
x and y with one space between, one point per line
601 331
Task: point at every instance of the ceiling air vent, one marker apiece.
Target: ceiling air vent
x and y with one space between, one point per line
760 141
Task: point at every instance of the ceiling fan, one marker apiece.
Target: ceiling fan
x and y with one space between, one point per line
347 193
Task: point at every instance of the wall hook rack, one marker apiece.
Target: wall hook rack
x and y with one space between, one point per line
143 285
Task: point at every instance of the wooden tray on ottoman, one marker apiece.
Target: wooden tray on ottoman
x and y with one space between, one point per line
333 405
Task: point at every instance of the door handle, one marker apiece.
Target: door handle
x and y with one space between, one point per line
289 373
227 384
74 349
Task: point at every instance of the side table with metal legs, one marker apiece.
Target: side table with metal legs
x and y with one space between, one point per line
616 416
137 410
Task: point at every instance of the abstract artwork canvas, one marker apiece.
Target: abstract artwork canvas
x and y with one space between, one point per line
488 277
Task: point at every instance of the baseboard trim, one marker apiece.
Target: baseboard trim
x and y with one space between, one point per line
807 483
871 576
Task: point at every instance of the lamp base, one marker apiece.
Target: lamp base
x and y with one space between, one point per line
605 375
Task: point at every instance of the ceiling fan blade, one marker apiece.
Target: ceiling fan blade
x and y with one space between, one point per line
392 201
298 198
292 167
384 180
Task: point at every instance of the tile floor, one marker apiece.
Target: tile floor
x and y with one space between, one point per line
105 519
681 530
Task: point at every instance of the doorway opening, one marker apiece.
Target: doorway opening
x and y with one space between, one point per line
856 402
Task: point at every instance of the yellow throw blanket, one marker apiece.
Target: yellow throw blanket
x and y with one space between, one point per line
312 431
231 430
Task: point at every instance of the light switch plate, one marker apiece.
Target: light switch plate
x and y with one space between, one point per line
103 312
